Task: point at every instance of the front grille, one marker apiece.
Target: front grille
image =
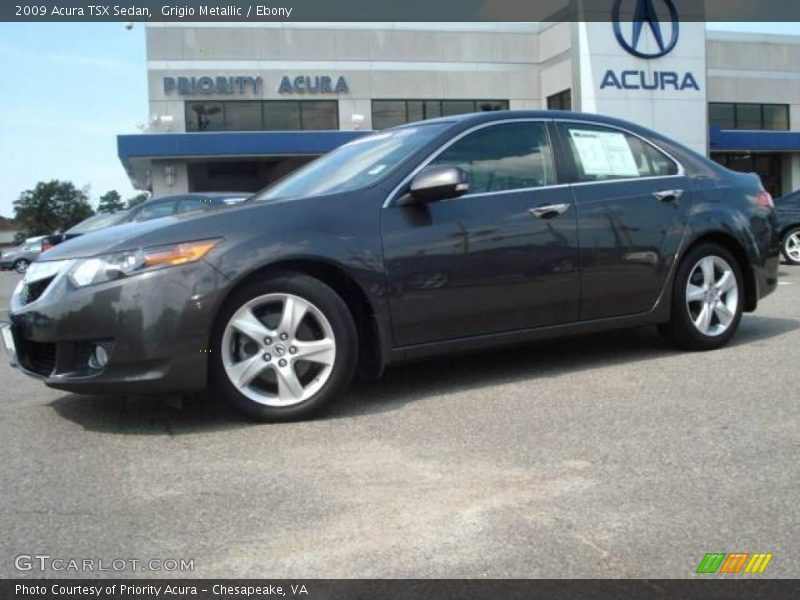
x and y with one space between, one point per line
33 291
36 357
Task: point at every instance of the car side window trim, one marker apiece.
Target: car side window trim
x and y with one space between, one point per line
391 198
681 170
394 194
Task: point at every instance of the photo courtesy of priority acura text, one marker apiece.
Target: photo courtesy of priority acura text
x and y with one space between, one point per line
458 299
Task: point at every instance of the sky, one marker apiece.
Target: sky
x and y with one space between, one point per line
69 89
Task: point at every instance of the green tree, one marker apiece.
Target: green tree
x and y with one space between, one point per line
137 199
110 202
50 207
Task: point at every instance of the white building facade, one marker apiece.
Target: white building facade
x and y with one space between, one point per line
235 106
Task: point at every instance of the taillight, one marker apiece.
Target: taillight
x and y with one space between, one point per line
765 200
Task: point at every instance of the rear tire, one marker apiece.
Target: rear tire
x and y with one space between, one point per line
283 348
790 246
707 300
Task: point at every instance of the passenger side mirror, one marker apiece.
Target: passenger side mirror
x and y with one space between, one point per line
436 183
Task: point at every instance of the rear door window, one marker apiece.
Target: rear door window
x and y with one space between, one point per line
602 154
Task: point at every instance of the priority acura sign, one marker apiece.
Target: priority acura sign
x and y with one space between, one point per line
212 85
317 84
217 85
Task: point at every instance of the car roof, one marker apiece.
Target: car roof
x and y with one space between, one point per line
677 150
501 115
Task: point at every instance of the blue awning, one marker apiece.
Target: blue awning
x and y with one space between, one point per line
231 144
138 151
754 141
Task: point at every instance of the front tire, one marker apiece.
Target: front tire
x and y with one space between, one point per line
707 300
790 246
283 348
21 266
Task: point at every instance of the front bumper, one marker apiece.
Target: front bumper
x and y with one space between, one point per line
156 327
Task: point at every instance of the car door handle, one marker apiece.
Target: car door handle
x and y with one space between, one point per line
668 195
548 211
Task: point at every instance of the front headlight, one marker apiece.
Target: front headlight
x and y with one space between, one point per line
100 269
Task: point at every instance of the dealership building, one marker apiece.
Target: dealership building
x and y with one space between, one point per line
233 106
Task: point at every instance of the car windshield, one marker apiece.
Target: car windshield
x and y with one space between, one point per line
354 165
97 222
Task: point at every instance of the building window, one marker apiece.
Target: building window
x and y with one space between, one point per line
722 115
560 101
390 113
242 116
768 166
205 116
729 115
267 115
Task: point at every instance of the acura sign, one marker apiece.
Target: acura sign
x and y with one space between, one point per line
663 28
645 14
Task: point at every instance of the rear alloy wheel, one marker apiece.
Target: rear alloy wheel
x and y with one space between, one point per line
21 266
791 246
712 296
287 347
707 300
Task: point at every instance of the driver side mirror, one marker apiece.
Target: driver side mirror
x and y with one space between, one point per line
436 183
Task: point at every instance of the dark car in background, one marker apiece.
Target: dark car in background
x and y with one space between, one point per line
182 203
20 257
788 211
455 234
95 223
156 208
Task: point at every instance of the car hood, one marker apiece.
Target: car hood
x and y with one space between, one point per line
170 230
103 241
273 220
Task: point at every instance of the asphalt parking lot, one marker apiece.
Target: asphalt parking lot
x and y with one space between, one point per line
602 456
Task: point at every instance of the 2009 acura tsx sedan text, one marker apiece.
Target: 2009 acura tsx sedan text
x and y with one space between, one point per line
448 235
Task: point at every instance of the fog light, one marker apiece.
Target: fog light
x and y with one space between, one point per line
99 357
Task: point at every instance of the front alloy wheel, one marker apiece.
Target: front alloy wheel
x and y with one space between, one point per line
278 349
791 246
283 347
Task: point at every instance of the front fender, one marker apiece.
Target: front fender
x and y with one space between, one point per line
318 242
